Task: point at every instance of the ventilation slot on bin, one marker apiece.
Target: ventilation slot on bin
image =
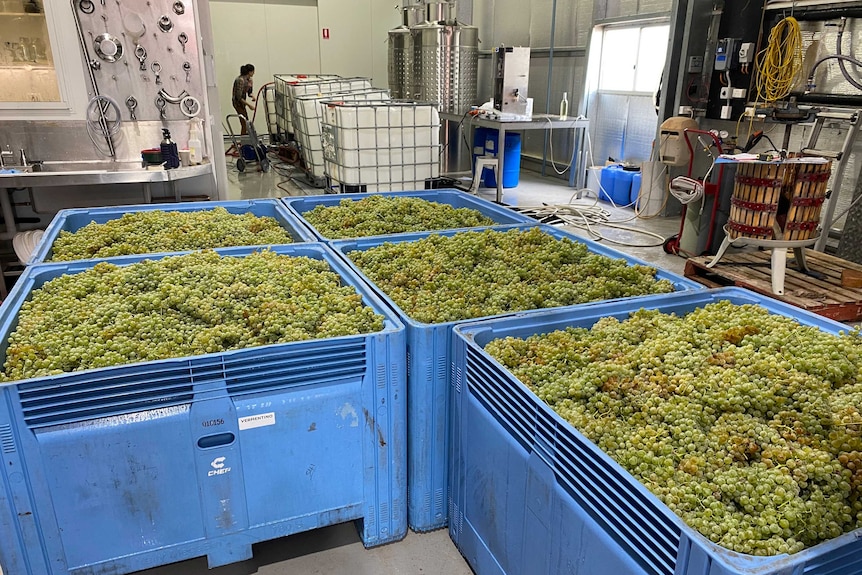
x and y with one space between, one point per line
845 559
651 537
612 501
381 376
322 363
7 440
90 396
492 396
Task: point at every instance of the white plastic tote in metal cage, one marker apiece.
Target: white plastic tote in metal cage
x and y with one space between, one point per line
307 112
323 86
282 110
381 146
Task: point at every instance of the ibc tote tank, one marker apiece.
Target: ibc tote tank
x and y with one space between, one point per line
446 61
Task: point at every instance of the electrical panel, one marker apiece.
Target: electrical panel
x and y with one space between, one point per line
725 54
746 53
695 64
719 82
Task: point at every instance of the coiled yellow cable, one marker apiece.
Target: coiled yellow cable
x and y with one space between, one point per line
780 63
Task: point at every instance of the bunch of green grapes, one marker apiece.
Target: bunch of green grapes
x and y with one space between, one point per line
475 274
158 231
745 423
180 306
381 215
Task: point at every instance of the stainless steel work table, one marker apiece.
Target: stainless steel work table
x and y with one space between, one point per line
91 173
538 122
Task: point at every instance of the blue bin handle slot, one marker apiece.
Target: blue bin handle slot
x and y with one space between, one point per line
216 440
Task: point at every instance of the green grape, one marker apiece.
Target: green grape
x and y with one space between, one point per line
159 231
475 274
744 423
180 306
379 215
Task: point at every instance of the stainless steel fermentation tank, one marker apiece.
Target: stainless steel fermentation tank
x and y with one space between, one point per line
446 61
444 64
401 53
400 62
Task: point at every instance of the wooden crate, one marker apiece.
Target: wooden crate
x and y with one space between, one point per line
821 292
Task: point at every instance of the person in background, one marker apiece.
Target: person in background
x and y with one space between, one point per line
250 86
241 88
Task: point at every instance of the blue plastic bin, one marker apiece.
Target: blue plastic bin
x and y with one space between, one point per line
636 189
511 159
72 220
125 468
530 494
298 206
428 366
622 187
607 182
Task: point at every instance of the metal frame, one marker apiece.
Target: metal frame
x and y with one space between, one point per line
852 118
538 122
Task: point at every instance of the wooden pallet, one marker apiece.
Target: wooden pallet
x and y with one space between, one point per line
820 292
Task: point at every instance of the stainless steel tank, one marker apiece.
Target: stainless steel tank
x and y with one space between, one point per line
435 12
400 62
445 66
401 53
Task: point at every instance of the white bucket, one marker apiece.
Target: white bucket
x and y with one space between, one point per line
594 175
654 189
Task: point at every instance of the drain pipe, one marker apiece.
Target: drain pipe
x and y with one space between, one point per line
550 80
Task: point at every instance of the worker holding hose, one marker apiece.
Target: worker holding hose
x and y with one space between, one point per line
242 87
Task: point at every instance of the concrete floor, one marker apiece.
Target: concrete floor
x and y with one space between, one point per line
532 190
337 550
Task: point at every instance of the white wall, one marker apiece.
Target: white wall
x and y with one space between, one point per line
347 52
277 36
285 37
385 15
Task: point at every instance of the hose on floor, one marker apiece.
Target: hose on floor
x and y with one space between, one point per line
591 218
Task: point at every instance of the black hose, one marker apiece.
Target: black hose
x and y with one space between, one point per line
841 64
838 57
771 143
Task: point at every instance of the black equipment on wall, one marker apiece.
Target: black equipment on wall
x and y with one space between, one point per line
733 58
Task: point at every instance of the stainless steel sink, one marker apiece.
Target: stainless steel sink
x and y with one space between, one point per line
84 166
76 167
94 172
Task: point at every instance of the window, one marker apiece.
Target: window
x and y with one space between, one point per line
625 69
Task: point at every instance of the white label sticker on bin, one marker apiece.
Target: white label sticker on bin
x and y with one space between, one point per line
259 420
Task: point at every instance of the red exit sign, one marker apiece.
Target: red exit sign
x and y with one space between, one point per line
326 33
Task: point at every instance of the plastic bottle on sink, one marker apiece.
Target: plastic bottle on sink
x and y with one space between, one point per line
195 146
